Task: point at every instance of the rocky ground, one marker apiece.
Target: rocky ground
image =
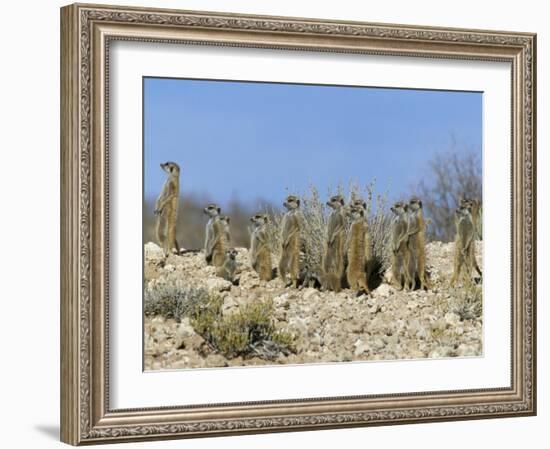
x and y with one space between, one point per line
327 326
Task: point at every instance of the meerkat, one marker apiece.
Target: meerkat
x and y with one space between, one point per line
401 266
465 232
308 277
291 225
166 209
475 207
358 241
475 211
225 222
229 267
417 243
216 243
333 258
260 251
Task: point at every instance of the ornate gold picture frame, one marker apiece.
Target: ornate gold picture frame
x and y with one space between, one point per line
87 32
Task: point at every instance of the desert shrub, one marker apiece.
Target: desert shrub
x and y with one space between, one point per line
467 301
172 299
315 214
315 218
250 331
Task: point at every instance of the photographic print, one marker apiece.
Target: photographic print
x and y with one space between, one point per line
293 223
318 199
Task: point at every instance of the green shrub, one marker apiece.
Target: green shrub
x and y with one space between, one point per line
250 331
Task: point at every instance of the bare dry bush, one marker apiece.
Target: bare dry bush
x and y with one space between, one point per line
467 301
172 299
449 177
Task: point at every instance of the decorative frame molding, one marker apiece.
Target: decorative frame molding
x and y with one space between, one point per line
86 31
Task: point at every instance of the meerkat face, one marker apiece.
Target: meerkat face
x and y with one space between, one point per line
231 253
259 220
212 210
356 213
336 202
171 168
415 204
466 208
463 202
463 211
399 208
358 202
292 202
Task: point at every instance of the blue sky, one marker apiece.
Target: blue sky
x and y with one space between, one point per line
255 140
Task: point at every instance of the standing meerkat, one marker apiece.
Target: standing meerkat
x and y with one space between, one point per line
260 250
291 225
225 220
464 243
417 243
166 209
401 266
333 258
475 210
358 242
229 267
216 243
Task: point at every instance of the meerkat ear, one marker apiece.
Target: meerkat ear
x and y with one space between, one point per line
342 201
298 201
420 203
219 209
228 219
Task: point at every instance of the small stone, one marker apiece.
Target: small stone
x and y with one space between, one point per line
309 294
186 337
384 290
218 284
169 268
452 319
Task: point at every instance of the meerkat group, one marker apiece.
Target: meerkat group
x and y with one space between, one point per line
408 245
347 253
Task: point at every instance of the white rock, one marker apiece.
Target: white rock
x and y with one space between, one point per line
185 329
452 319
384 290
169 268
442 351
465 350
218 284
297 326
153 252
186 337
378 343
439 325
361 347
309 294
